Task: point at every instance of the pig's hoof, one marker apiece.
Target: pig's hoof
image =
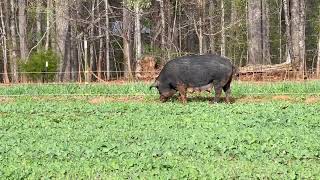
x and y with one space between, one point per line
213 102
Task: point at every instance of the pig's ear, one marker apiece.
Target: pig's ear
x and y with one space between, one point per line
155 84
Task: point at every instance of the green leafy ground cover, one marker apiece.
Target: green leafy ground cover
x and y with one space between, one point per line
98 137
238 89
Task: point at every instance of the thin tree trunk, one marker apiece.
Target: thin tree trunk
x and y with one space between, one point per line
62 24
168 8
204 27
137 39
302 47
174 34
3 37
288 31
180 29
92 42
163 27
127 48
255 29
107 39
101 49
38 19
318 60
223 36
212 25
265 25
280 32
48 19
200 32
295 34
234 30
13 53
74 60
23 29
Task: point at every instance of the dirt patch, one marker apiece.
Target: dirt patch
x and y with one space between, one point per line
251 99
261 99
312 100
4 100
282 98
100 100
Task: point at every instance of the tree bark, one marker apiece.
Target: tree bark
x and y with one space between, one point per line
48 19
137 39
127 42
62 24
223 33
212 24
302 46
13 53
92 42
265 25
200 30
234 31
254 28
168 12
3 38
297 8
288 31
107 39
23 29
38 19
163 27
318 60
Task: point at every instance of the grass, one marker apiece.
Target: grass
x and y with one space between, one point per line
238 89
98 137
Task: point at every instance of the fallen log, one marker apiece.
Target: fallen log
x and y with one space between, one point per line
284 67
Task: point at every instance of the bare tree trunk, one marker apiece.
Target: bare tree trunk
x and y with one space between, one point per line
223 33
62 24
48 19
234 30
265 32
101 49
200 30
137 39
204 27
163 27
288 31
76 52
13 53
92 42
254 28
74 58
280 32
174 34
38 19
3 38
107 39
318 60
180 29
302 46
296 23
168 8
23 29
127 48
212 24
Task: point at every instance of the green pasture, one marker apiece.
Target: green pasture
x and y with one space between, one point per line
96 132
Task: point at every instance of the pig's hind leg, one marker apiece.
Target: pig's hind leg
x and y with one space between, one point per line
227 91
218 92
183 92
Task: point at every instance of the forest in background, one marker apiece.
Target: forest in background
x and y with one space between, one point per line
109 37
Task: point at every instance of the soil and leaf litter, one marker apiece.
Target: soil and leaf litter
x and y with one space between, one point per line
123 131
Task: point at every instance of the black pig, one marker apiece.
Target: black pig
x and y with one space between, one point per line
196 72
